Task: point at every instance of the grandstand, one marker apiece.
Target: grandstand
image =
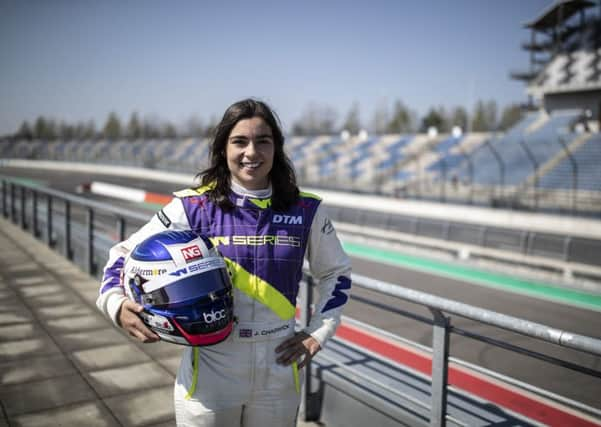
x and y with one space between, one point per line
542 151
569 74
578 169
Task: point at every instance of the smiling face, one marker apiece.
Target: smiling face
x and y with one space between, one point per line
249 152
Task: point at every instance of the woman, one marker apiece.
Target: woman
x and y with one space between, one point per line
251 208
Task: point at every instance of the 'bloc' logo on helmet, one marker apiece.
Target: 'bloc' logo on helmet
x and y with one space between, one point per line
191 253
214 316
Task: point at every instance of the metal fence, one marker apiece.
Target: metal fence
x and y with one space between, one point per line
484 176
63 220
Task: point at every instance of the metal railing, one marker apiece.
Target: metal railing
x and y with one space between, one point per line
19 199
442 328
57 212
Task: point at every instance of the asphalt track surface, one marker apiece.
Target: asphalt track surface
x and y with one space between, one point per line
567 317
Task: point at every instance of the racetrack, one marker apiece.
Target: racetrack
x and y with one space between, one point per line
556 314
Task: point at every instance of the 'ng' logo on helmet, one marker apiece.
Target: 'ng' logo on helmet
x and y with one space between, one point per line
191 253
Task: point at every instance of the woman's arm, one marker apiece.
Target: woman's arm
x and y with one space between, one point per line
331 268
112 295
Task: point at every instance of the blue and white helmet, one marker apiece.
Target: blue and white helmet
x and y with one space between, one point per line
182 282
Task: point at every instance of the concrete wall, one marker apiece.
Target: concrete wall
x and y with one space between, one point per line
590 100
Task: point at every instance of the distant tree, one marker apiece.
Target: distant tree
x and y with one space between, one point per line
39 127
510 116
316 120
479 123
194 128
89 130
491 112
436 118
134 129
328 119
66 131
25 131
380 118
352 122
211 125
484 118
45 129
80 130
297 128
459 117
151 129
169 131
401 120
51 130
112 127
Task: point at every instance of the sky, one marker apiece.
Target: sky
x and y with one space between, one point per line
81 59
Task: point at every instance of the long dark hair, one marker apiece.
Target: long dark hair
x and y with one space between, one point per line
282 177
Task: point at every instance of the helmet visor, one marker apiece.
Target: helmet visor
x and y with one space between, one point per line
206 286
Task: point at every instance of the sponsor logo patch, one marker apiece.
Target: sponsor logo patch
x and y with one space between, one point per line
145 272
278 240
214 316
287 219
327 227
191 253
157 321
163 218
199 266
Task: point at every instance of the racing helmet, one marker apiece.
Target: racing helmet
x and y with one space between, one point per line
183 284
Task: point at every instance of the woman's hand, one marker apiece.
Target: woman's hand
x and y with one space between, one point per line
301 344
131 322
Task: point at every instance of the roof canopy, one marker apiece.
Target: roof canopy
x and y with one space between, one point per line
557 13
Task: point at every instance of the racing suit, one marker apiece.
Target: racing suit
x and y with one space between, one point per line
238 382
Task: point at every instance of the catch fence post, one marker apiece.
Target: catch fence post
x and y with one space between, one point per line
22 212
49 240
444 168
68 251
121 228
13 207
34 214
574 165
535 170
306 408
501 165
90 266
440 368
4 199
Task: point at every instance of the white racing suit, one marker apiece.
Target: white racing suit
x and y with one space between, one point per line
238 382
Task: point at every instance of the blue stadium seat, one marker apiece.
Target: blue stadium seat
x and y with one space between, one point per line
542 145
587 171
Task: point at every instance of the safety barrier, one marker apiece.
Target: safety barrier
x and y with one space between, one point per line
568 255
21 203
